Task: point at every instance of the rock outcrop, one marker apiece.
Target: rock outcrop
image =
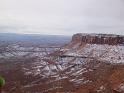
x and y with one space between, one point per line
109 39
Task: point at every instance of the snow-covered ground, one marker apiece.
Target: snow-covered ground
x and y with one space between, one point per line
109 53
74 67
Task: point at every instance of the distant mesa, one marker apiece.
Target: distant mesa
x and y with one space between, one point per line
109 39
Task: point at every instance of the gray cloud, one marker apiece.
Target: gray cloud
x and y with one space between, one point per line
62 16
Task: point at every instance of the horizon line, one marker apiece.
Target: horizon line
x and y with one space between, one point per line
35 34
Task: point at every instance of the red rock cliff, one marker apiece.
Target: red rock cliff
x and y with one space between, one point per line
110 39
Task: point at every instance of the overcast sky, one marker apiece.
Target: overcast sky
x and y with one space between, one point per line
62 16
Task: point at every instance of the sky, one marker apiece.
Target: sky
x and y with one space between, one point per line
62 17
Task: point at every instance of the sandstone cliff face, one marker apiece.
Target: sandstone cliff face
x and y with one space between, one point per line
109 39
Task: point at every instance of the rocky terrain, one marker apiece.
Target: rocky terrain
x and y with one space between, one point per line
104 58
90 63
109 39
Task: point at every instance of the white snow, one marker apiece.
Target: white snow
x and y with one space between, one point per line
101 88
109 53
121 87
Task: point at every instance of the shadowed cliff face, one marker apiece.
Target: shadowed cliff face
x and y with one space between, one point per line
109 39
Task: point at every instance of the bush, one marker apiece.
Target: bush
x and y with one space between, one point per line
2 81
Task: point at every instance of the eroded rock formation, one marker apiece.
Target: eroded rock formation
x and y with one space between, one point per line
109 39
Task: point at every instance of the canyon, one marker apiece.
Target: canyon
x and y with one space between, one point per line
89 63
